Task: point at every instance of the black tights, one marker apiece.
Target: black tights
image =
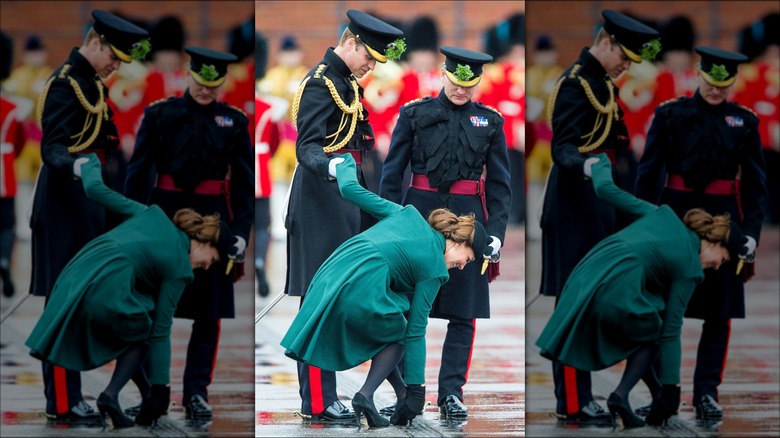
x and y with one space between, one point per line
129 365
640 366
384 366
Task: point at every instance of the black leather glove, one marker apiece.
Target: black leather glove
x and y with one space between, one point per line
155 405
664 406
410 406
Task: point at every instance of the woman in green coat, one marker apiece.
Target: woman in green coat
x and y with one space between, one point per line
356 305
627 297
115 299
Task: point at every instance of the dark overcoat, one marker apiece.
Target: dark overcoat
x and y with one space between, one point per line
63 219
318 219
193 143
447 143
702 143
573 218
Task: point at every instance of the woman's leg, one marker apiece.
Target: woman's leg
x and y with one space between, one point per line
382 365
637 367
127 366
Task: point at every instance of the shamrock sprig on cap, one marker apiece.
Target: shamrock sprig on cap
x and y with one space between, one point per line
140 49
650 49
463 72
208 72
395 49
718 72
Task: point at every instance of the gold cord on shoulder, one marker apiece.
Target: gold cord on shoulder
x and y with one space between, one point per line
355 110
610 111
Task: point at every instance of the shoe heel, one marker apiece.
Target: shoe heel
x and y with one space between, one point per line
361 405
105 404
617 404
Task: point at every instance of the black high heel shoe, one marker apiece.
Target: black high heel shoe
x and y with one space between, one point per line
108 405
616 404
361 405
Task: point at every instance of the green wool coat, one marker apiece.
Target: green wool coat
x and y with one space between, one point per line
120 289
355 304
631 289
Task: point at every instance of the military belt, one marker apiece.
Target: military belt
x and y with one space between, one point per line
205 187
460 187
715 187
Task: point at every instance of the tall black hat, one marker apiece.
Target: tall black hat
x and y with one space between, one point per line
241 39
208 67
423 35
6 55
678 34
382 40
127 41
167 34
718 67
638 41
463 67
33 44
261 55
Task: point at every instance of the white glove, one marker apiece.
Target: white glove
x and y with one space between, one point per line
586 169
240 245
77 165
748 249
332 166
495 244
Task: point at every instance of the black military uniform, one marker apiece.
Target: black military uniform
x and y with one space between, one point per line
75 120
449 148
331 121
586 120
712 159
200 156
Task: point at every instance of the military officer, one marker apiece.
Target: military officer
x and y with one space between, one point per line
75 120
585 119
331 121
198 152
709 150
457 152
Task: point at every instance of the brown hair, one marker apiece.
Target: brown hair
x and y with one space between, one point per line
711 228
347 34
91 35
601 35
204 229
459 229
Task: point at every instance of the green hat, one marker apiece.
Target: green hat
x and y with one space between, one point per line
208 67
638 41
125 39
382 40
719 67
463 67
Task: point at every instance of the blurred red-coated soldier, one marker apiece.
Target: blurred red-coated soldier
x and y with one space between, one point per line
266 138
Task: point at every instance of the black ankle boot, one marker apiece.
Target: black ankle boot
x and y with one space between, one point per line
616 404
109 405
361 405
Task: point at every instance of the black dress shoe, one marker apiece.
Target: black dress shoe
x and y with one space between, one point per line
80 414
336 412
590 414
197 409
452 407
708 409
388 411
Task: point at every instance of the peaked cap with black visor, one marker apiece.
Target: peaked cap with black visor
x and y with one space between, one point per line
126 40
382 40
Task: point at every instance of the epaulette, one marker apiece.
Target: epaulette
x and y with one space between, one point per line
237 109
418 100
748 110
64 71
164 99
670 101
490 108
575 71
320 70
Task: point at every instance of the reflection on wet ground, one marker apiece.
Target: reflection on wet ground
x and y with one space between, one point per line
750 393
231 393
494 393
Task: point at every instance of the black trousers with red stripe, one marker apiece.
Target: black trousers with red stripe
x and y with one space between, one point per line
456 357
572 386
316 387
711 358
201 358
61 387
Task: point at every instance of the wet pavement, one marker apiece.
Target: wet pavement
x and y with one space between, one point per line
494 392
231 393
749 394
